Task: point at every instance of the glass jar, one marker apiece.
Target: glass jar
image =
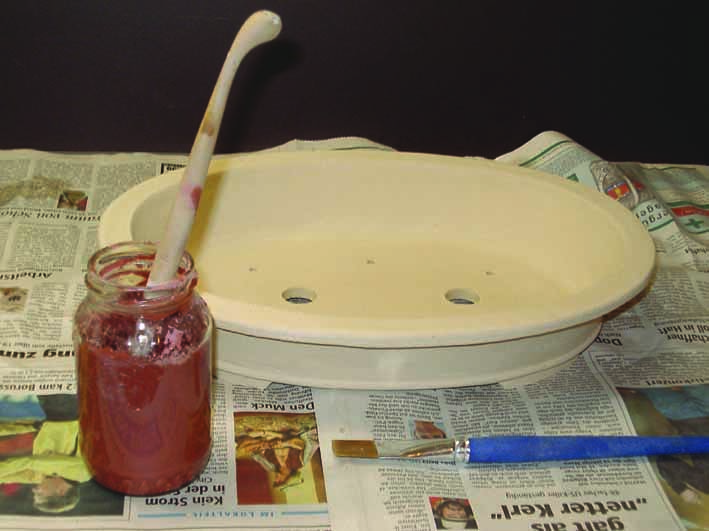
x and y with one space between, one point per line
144 373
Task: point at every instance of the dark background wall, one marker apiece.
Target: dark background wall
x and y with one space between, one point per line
469 77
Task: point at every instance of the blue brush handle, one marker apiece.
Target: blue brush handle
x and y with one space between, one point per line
523 448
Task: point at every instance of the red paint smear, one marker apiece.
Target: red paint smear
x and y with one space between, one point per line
195 194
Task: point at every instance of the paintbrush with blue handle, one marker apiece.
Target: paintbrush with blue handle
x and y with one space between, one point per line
523 448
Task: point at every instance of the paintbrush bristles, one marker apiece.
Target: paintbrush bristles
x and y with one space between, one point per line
354 448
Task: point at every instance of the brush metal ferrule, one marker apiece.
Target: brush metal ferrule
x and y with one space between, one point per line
417 448
462 451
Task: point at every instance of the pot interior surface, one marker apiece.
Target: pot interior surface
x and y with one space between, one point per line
366 249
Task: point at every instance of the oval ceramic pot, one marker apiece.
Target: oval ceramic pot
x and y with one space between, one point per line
368 269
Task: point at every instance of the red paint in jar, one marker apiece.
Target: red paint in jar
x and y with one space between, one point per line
144 373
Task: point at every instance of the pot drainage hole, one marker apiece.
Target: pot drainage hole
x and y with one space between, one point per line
298 295
462 296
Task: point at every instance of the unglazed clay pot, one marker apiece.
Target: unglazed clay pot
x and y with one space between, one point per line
373 269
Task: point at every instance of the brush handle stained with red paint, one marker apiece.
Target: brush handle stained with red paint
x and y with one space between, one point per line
259 28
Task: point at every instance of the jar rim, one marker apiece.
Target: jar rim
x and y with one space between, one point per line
122 269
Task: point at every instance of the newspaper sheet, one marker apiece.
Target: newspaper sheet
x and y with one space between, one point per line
646 373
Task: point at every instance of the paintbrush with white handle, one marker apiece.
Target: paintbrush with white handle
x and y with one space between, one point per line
259 28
